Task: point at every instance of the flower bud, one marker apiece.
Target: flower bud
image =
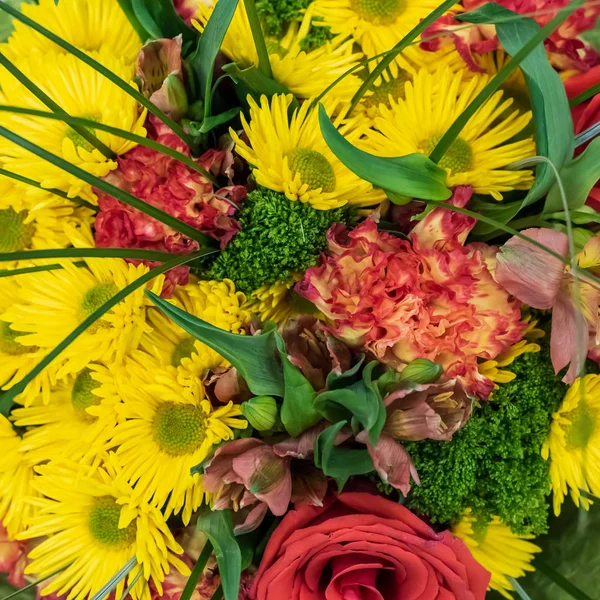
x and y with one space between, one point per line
261 412
421 370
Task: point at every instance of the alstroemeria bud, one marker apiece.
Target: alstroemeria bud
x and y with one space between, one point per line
261 412
421 371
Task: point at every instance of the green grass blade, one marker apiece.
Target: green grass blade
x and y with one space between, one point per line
38 269
264 64
88 60
53 106
502 75
218 595
122 133
197 571
398 48
133 253
585 95
132 584
108 188
560 581
60 193
519 589
7 398
29 586
112 583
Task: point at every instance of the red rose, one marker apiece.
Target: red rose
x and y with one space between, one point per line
363 546
585 115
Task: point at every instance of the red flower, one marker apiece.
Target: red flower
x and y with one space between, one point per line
13 558
364 546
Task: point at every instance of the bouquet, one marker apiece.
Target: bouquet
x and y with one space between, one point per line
299 298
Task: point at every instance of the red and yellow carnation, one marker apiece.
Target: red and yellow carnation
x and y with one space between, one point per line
176 189
431 297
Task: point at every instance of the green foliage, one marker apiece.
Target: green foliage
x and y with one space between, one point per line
316 37
493 464
278 238
276 14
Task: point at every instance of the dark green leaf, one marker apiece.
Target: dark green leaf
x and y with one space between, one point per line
197 571
38 269
361 401
297 411
337 462
501 212
578 177
336 381
127 8
413 175
257 81
264 63
560 580
585 214
218 526
254 356
211 122
522 39
85 253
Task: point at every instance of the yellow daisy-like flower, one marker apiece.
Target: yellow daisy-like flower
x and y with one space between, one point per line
167 429
92 529
87 24
289 155
66 428
273 302
377 25
216 302
481 153
82 92
496 548
573 443
305 74
16 477
51 304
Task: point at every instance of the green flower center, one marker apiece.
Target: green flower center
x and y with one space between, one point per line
457 159
178 428
379 12
583 425
314 169
8 342
104 524
78 139
93 299
382 92
81 394
184 349
15 234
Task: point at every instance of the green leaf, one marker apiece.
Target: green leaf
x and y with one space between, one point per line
362 400
585 214
127 8
7 398
112 583
522 39
160 19
6 23
336 381
264 64
502 212
297 412
258 83
560 580
218 526
211 122
38 269
254 356
338 462
413 175
578 176
197 571
108 188
85 253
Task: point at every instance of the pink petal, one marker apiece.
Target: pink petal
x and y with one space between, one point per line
251 520
529 273
309 485
220 469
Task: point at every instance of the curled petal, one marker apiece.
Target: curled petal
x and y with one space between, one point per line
220 469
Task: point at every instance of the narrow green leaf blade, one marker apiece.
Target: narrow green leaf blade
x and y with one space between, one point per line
254 356
218 527
413 175
258 83
86 253
197 571
211 122
127 8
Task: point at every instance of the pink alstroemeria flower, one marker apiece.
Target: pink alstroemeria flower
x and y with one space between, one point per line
543 281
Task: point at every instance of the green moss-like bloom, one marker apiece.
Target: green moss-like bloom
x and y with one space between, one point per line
278 238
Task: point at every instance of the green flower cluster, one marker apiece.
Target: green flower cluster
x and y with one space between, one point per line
278 238
494 464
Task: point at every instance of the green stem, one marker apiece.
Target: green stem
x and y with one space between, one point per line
592 91
122 133
6 401
38 269
53 106
502 75
197 571
264 64
175 127
60 193
134 253
108 188
29 586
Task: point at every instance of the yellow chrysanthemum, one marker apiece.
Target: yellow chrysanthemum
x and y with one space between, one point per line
51 304
496 548
273 302
66 427
16 476
376 25
87 24
305 74
92 529
216 302
573 444
82 92
481 153
291 156
167 429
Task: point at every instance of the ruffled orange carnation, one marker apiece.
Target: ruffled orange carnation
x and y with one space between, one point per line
431 297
